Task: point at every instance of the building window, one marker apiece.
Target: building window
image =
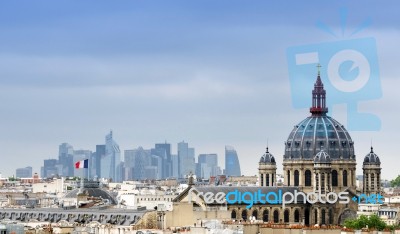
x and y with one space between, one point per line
262 179
344 178
330 216
372 182
244 215
317 181
267 180
316 216
286 216
296 216
288 178
233 214
307 217
378 182
276 216
273 179
323 216
323 183
255 214
265 216
296 178
334 178
307 176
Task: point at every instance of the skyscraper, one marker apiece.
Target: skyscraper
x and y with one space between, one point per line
207 166
110 164
99 154
23 172
136 161
163 150
65 159
186 159
232 165
175 165
49 168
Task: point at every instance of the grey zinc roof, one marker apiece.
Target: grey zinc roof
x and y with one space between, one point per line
267 158
316 132
93 192
372 158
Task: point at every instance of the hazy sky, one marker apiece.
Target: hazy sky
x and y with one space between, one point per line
212 73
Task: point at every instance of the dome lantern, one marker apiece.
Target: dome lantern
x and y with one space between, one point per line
318 107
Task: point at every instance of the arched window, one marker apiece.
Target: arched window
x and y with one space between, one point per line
276 216
316 217
372 181
233 214
286 216
262 180
344 178
296 216
296 178
288 178
330 216
255 214
273 179
267 180
323 216
307 217
265 216
334 178
307 177
244 215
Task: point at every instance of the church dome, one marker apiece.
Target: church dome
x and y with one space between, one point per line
91 189
371 158
319 131
267 158
92 192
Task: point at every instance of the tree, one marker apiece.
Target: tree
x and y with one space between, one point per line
371 222
395 182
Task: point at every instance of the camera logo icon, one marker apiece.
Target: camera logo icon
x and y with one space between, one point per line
350 72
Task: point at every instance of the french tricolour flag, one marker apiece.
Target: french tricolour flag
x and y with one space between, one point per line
82 164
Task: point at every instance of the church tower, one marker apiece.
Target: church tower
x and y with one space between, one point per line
371 173
267 170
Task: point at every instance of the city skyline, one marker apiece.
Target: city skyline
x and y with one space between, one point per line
159 162
210 73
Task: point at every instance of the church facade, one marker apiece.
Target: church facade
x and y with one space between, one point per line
318 158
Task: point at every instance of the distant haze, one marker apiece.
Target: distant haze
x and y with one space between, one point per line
212 73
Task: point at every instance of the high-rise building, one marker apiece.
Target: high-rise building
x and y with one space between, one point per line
65 160
232 165
49 168
98 156
186 159
136 161
207 166
129 164
110 164
163 150
25 172
156 168
175 165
